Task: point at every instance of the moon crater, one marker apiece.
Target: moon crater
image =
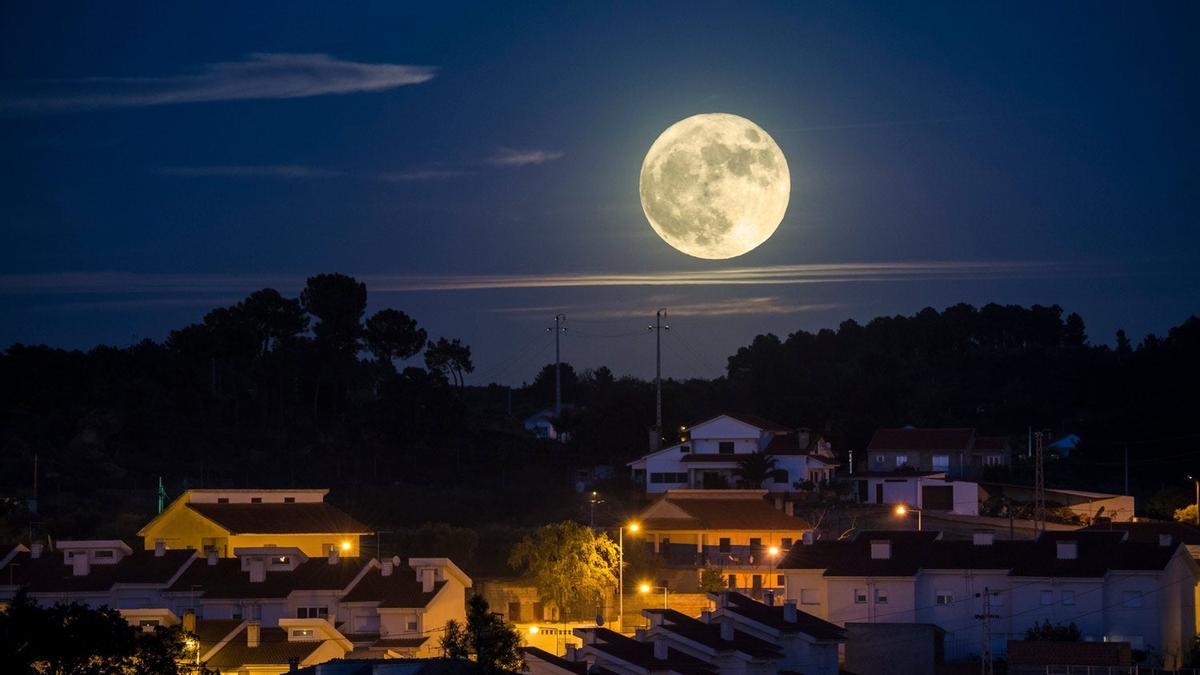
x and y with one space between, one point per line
715 185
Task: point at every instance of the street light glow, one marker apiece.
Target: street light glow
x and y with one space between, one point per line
774 551
901 509
634 527
644 588
533 630
345 546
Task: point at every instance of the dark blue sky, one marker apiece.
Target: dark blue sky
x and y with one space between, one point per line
162 159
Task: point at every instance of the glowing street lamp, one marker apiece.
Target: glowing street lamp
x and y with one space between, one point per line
645 588
345 546
533 630
902 510
633 529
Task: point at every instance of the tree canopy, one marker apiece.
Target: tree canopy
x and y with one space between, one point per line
571 566
486 637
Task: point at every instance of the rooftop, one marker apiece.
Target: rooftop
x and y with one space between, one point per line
718 510
304 517
709 634
775 617
226 579
50 573
400 589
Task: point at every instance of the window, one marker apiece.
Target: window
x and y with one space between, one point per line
256 500
941 462
1068 597
412 624
280 560
993 460
639 475
725 447
289 500
104 554
860 596
786 542
881 596
943 598
668 477
756 542
880 459
723 545
312 612
1047 597
222 500
780 581
539 611
148 625
685 448
1131 599
303 633
810 596
901 460
514 612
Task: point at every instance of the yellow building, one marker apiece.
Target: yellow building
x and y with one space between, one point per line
224 520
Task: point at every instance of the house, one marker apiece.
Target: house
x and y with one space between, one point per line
225 520
958 453
738 532
247 647
1085 505
740 636
1113 589
544 424
709 453
925 490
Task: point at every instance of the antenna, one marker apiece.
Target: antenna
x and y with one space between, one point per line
558 329
658 328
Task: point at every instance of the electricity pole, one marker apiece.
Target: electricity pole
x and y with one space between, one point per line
985 652
658 328
558 329
1039 483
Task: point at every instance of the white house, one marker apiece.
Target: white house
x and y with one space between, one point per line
931 491
1113 589
708 454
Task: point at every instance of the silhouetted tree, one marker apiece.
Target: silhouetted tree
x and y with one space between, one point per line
391 334
493 642
1057 632
1074 334
755 468
450 358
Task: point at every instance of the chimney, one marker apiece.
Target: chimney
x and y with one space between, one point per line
1165 540
706 615
639 634
80 564
385 569
571 653
35 550
189 621
789 612
588 637
802 438
727 631
258 571
660 650
293 664
427 580
789 508
211 556
252 634
160 548
881 549
334 555
769 598
983 538
1066 550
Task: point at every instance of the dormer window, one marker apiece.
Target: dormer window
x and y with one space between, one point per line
1067 550
222 500
104 554
281 560
303 633
256 500
289 500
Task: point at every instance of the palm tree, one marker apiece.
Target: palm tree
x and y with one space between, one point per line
755 468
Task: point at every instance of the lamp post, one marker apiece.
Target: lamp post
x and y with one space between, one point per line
1197 482
902 510
646 588
633 529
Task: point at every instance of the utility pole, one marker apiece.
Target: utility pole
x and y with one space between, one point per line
985 653
558 329
1127 469
658 328
1039 483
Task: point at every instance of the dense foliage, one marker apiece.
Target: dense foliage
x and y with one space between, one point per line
311 391
572 567
76 640
486 637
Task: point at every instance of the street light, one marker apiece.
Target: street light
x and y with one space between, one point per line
633 529
902 510
1197 482
645 588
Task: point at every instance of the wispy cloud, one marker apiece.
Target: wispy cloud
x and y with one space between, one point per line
510 157
775 275
751 306
259 76
422 175
259 171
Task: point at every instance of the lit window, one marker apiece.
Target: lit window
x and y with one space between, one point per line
303 633
993 460
943 598
880 459
860 596
901 460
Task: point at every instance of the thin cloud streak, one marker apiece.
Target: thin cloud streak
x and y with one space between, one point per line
235 171
259 76
778 275
422 175
513 158
751 306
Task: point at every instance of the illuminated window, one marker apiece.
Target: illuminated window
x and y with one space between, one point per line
303 633
941 462
901 460
880 459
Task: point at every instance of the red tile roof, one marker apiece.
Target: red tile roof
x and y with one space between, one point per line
709 634
760 422
580 668
401 589
227 580
303 518
922 439
273 648
725 513
51 574
642 654
775 617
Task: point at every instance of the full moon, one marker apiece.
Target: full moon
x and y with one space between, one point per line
715 185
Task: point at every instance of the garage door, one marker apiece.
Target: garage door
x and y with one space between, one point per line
938 497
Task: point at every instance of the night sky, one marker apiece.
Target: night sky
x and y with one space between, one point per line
477 166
